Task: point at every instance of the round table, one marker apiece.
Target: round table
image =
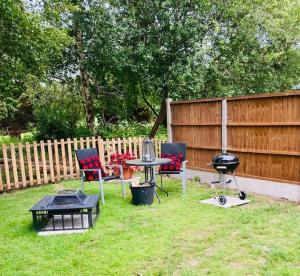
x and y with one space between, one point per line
149 170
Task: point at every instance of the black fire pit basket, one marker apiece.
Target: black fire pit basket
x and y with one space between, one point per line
61 212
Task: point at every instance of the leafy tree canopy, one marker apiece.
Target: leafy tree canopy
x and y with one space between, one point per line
125 57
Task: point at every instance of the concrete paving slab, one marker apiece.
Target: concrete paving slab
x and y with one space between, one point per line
230 201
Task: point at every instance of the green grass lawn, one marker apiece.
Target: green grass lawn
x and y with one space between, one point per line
177 237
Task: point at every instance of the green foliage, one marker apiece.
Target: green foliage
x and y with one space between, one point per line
195 49
130 55
25 137
27 48
57 111
128 129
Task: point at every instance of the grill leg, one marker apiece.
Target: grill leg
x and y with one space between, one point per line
223 180
237 185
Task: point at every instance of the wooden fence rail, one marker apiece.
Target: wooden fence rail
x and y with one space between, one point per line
263 130
26 165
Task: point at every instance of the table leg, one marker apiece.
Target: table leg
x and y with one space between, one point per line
150 178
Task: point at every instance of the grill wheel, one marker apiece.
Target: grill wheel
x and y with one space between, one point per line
222 200
242 195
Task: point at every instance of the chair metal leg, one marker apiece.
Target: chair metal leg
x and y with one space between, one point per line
123 188
183 181
82 184
122 182
101 191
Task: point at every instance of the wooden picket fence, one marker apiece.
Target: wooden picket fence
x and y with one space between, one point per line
27 165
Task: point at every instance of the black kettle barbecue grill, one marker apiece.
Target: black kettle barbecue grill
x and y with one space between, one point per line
226 163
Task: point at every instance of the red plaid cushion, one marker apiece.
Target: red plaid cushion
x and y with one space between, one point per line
174 165
92 162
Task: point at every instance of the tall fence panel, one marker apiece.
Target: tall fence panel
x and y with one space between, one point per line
263 130
198 123
26 165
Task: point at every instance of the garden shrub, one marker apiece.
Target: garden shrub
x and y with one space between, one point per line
57 114
125 129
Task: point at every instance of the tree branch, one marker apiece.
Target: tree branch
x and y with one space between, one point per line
148 104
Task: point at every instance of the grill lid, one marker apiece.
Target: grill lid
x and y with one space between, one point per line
225 158
230 161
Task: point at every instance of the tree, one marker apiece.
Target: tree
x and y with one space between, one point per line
27 49
187 49
158 38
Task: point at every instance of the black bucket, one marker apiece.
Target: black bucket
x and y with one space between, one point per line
142 195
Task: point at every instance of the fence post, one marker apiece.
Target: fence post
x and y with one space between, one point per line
70 157
140 141
14 165
29 163
63 157
22 165
129 145
76 162
169 119
1 181
51 165
36 163
87 142
224 125
56 154
113 145
135 145
101 150
94 142
108 151
43 154
124 145
6 166
81 143
119 145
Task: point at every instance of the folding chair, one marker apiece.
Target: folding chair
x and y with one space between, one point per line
176 152
92 170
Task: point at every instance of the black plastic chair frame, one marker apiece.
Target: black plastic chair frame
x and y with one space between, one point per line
175 148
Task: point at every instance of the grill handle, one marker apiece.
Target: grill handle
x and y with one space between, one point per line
221 168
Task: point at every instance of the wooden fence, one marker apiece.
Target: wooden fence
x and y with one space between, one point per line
26 165
263 130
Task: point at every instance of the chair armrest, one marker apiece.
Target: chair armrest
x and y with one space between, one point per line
116 166
91 170
111 166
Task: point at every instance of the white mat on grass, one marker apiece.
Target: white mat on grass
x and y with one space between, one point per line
61 232
230 201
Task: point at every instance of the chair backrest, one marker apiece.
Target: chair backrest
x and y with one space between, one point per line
82 154
174 148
